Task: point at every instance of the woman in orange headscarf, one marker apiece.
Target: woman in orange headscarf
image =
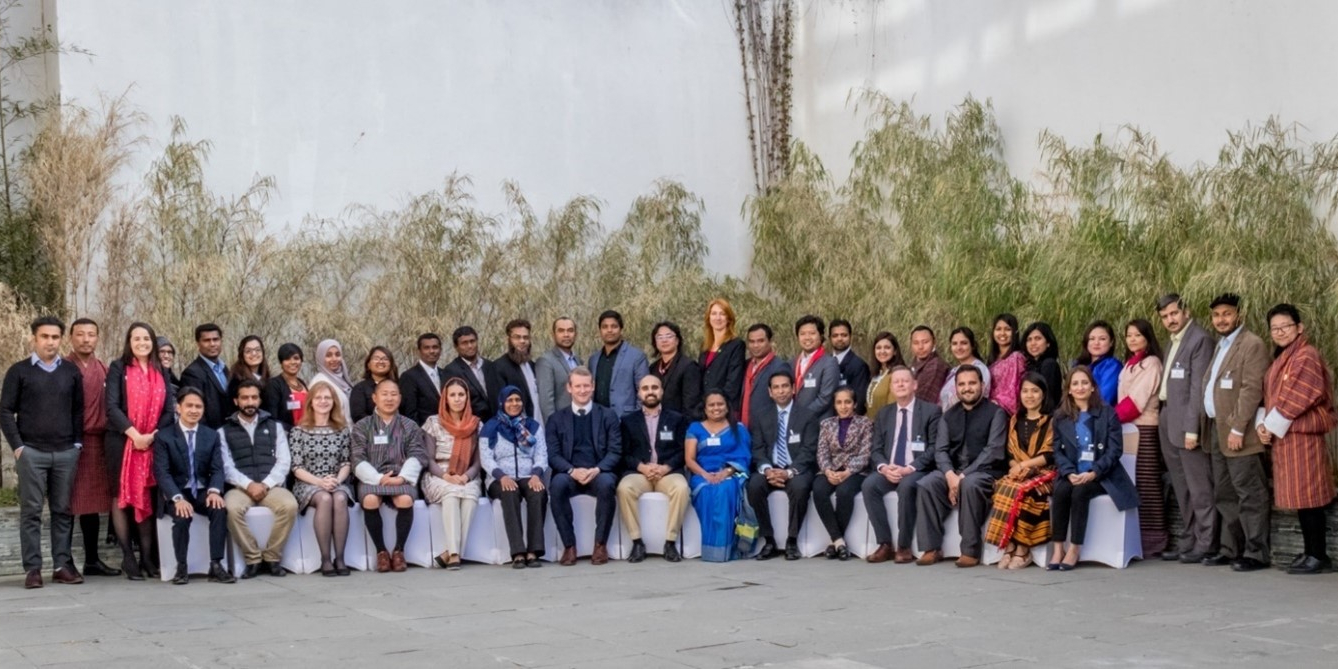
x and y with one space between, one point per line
454 483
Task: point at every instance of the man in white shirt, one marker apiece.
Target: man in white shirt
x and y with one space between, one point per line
256 462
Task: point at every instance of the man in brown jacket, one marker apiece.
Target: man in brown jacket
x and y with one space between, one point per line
1233 394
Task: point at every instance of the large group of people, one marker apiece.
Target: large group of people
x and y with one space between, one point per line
1017 442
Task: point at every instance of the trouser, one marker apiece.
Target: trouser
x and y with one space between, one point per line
456 514
531 538
973 500
1192 481
836 518
1069 505
603 487
875 488
46 478
633 486
218 529
797 490
1240 487
1314 531
281 503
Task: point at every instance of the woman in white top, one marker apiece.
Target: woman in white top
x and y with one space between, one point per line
453 463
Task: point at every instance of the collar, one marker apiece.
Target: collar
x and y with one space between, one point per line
909 405
648 414
430 369
185 429
785 408
588 406
37 362
841 357
1227 340
1181 334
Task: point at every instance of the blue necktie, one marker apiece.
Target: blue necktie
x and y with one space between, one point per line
192 483
899 458
220 374
782 455
571 363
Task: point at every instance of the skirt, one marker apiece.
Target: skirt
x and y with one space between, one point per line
1021 511
92 491
1302 476
1148 469
365 489
304 491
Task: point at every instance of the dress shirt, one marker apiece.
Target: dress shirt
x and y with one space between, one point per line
652 424
282 458
1209 404
1170 358
909 408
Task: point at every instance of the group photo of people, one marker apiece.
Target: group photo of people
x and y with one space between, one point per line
1011 431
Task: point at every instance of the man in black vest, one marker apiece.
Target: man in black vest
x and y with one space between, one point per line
256 464
970 455
653 462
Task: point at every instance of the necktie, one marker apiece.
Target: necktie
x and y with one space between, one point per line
899 456
781 457
571 363
580 412
220 374
191 483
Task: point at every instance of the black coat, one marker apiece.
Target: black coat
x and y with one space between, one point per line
855 373
1108 446
484 402
636 441
726 372
419 396
560 438
682 386
803 426
274 401
118 417
360 404
217 403
171 466
511 374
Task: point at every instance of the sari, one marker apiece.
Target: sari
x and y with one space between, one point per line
1021 509
718 505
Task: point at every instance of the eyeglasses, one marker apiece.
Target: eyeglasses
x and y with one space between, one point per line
250 350
1281 328
380 358
668 336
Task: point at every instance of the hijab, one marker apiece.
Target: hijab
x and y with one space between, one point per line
519 430
340 377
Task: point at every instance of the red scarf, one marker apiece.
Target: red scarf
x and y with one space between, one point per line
144 396
749 376
800 369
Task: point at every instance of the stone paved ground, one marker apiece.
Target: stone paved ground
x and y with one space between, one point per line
813 613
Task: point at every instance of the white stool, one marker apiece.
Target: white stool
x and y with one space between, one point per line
308 560
858 535
690 537
583 522
417 548
653 513
502 554
1113 536
355 545
197 553
480 542
260 520
952 541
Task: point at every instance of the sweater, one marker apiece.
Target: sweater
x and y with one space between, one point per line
40 409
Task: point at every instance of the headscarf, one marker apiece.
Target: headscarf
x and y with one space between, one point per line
464 430
518 430
339 377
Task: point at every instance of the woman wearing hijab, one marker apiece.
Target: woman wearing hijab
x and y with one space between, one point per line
330 368
453 464
514 454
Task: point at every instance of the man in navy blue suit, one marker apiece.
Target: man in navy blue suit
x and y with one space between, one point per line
188 464
584 449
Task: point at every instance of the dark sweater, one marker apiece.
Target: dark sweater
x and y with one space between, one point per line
42 410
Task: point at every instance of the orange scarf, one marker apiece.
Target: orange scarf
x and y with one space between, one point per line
465 430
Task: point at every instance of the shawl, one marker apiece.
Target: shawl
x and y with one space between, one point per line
750 377
144 397
519 430
465 431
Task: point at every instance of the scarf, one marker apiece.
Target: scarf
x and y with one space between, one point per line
339 377
800 368
145 393
1136 358
518 430
749 377
465 430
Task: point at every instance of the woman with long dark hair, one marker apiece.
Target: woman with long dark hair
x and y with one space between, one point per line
378 366
1007 363
1097 353
1041 348
886 356
962 344
1139 386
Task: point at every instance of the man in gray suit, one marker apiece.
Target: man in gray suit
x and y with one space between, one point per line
552 367
618 367
1189 359
903 439
816 373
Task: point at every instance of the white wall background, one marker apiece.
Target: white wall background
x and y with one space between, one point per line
346 101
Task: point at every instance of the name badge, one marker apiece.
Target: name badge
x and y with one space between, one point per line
1178 373
843 380
810 382
380 440
713 441
794 438
917 447
666 435
1228 384
294 405
1088 456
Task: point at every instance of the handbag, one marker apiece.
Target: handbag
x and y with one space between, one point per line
745 524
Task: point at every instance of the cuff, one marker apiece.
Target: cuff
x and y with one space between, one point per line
410 471
1192 435
367 474
213 491
762 469
1259 417
78 445
537 471
177 497
1277 423
497 474
1238 433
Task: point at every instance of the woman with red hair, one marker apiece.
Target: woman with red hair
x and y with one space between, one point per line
723 354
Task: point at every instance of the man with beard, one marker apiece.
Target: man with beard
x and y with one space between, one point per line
653 460
854 371
420 385
256 464
477 371
516 369
554 365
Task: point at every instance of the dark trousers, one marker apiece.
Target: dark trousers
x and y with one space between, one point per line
46 478
1069 505
876 486
973 505
218 528
836 519
1240 486
797 490
1192 481
604 487
522 542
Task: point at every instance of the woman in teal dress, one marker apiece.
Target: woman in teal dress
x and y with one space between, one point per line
718 457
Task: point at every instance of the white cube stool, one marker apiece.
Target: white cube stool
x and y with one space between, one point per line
583 522
355 545
858 534
653 512
418 547
690 537
261 522
197 553
1113 536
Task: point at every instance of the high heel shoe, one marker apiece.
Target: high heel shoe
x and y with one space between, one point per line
150 571
131 569
341 569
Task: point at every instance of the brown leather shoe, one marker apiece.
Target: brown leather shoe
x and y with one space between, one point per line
966 561
67 575
882 554
929 557
34 579
600 556
397 561
904 556
568 556
382 562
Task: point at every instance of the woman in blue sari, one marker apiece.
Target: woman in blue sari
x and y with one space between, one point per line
717 456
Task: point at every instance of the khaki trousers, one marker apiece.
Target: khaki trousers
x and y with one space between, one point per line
633 486
281 503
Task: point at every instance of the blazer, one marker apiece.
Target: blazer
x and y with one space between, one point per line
360 404
832 454
628 369
726 372
1108 442
803 426
172 466
761 395
560 435
636 441
925 417
118 418
274 401
815 390
1183 412
1243 370
482 401
217 402
550 371
419 396
854 372
992 458
511 374
682 386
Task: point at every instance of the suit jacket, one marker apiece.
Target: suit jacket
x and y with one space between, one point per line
118 420
274 401
172 466
761 395
815 390
217 403
1243 369
1184 396
419 396
803 426
636 441
726 372
560 437
550 370
1108 442
682 386
990 458
628 369
854 372
482 401
511 374
925 418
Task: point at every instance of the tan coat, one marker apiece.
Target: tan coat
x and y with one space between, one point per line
1243 370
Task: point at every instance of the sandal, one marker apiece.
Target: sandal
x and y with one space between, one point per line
453 564
1021 562
441 562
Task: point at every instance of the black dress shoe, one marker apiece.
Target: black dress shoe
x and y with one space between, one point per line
1296 561
150 569
1170 556
100 568
1310 565
830 553
842 553
342 569
276 570
67 575
638 551
217 574
250 571
131 569
34 579
769 551
792 551
1216 560
671 552
182 576
1247 564
1191 558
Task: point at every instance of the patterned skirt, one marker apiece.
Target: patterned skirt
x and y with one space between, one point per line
92 491
1021 511
1148 468
365 489
1302 476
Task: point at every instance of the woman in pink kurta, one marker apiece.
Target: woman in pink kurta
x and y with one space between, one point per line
1007 364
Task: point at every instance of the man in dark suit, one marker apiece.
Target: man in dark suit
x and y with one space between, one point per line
209 375
516 369
902 454
584 450
763 361
188 465
653 462
970 454
420 385
816 373
476 370
854 371
1189 356
785 457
